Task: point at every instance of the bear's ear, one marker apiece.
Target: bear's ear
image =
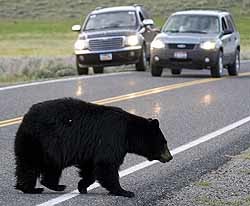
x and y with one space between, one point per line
154 122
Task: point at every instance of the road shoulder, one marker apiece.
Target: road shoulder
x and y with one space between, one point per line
226 186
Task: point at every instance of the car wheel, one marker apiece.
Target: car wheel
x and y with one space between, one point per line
156 71
233 69
98 70
217 70
176 71
142 64
81 70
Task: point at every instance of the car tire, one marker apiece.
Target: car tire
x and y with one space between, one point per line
233 69
98 70
176 71
142 64
217 70
81 70
156 71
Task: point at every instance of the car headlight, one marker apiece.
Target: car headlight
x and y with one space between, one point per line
132 40
81 44
208 45
158 44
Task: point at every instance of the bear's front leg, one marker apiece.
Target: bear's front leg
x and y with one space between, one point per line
88 177
108 176
51 177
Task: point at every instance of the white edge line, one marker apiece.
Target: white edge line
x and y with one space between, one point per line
62 80
72 79
245 61
145 164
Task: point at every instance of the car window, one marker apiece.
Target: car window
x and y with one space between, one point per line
141 16
232 20
230 23
121 19
192 24
224 24
145 13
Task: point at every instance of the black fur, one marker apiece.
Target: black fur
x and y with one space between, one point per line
68 132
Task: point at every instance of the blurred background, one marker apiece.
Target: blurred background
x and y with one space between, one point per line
36 35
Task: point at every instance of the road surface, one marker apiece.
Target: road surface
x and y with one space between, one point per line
205 121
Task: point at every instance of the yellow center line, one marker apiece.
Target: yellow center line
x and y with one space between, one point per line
153 91
133 95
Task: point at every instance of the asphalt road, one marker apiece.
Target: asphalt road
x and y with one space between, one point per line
189 106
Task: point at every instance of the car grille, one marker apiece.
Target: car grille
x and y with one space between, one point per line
107 34
105 44
181 46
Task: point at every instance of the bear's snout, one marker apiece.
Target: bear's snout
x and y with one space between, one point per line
166 155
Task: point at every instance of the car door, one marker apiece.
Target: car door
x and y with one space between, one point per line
226 41
234 37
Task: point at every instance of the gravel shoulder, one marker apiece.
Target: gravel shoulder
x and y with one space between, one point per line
229 185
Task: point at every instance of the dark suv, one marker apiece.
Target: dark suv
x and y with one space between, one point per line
114 36
197 39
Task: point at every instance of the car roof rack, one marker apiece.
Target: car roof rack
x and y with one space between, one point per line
135 5
99 7
206 8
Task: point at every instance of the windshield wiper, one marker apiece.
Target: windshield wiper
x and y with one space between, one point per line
194 31
100 28
172 31
111 26
90 29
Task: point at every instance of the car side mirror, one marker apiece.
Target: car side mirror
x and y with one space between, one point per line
227 31
76 28
148 22
157 30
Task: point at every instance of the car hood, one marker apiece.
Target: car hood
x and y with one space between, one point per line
107 33
185 38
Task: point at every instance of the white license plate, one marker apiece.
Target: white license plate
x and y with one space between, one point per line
106 57
180 55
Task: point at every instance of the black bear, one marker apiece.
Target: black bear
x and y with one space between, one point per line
67 132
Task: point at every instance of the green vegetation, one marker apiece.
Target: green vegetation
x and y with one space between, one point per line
246 171
245 156
68 9
203 184
35 69
208 201
36 38
43 27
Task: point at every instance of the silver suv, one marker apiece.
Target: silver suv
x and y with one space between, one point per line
114 36
197 39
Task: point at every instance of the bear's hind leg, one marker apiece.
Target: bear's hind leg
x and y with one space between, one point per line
26 178
88 177
51 177
108 177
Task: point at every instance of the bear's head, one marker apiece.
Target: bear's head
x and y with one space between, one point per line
150 142
157 144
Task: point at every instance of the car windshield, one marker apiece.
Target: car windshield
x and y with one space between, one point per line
121 19
192 24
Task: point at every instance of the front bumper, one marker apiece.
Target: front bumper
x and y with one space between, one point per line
196 58
128 55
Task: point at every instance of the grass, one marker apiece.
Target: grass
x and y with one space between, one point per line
46 38
36 38
43 27
208 201
245 171
203 184
244 29
34 69
245 156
